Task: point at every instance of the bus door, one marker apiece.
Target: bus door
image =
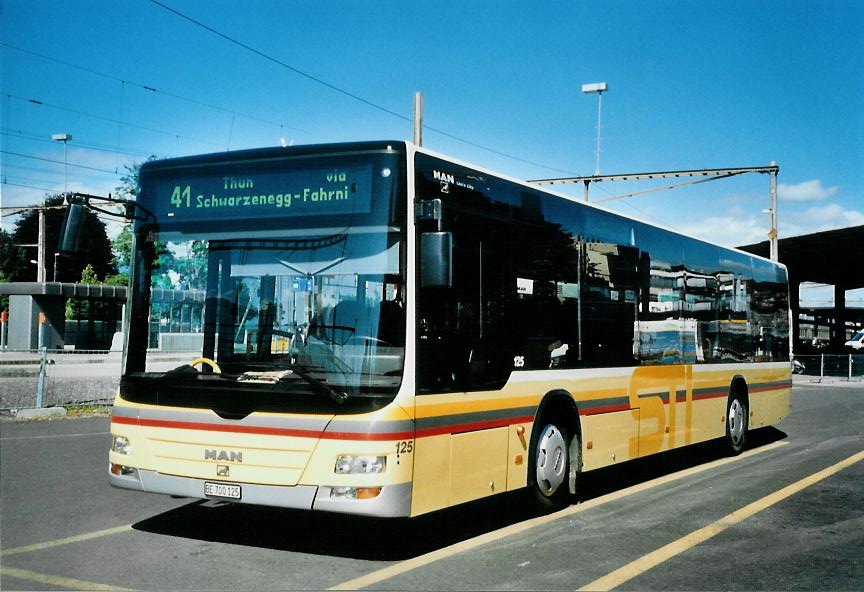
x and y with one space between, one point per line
462 359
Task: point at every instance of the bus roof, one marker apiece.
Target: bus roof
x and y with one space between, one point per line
585 203
398 146
273 152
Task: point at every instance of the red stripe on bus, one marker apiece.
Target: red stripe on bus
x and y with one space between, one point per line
215 427
472 426
771 388
710 395
607 409
270 431
695 397
384 436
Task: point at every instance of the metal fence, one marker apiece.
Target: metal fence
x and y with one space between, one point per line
45 378
848 366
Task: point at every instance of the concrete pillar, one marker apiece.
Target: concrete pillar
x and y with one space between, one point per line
838 328
24 321
795 307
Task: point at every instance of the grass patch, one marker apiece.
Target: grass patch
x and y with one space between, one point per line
88 410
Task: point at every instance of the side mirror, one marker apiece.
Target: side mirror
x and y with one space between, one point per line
436 260
70 234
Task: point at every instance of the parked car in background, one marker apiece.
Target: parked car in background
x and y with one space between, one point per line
857 341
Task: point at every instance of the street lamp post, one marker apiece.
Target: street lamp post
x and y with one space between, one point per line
41 275
772 234
65 139
597 88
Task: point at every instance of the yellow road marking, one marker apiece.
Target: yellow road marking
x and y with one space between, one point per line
643 564
466 545
65 541
60 582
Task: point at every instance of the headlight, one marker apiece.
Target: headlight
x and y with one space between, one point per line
351 464
120 445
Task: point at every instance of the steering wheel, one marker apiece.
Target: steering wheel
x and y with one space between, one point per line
209 362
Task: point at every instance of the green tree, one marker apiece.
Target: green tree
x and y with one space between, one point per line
128 188
122 244
13 259
96 248
83 308
191 266
88 275
122 247
13 264
119 279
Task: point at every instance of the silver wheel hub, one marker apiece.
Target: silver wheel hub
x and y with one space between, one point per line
736 421
551 460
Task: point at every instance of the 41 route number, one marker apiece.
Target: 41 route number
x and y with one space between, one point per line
179 196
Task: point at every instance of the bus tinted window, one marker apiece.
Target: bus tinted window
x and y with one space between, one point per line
545 282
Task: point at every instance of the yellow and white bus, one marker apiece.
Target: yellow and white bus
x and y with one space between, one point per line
377 329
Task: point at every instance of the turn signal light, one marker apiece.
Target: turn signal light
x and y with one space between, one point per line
355 493
368 492
121 471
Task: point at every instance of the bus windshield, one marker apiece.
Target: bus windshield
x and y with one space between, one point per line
302 313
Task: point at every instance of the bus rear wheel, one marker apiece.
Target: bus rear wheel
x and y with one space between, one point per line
737 416
550 467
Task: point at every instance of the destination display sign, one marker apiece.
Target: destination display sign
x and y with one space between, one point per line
262 194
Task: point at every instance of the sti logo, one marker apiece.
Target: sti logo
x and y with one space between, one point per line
224 455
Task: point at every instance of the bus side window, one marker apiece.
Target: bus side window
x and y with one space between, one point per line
609 308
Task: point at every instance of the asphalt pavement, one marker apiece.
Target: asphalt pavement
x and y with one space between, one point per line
787 514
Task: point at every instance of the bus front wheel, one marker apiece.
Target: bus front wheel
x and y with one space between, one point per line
550 467
737 416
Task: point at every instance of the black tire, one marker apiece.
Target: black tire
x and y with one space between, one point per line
737 422
549 467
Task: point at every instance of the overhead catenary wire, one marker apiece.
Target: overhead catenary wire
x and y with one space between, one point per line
119 124
35 137
25 186
281 63
21 178
343 91
54 173
35 169
80 166
665 187
146 87
109 119
150 88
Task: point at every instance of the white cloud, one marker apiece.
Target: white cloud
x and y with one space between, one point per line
805 191
735 228
818 218
731 230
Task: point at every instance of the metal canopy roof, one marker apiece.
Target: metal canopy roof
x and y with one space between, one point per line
831 257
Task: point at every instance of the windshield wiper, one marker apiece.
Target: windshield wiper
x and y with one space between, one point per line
320 387
188 373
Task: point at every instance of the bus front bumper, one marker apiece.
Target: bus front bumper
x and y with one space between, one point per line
393 501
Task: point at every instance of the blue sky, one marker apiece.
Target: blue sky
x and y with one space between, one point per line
692 85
